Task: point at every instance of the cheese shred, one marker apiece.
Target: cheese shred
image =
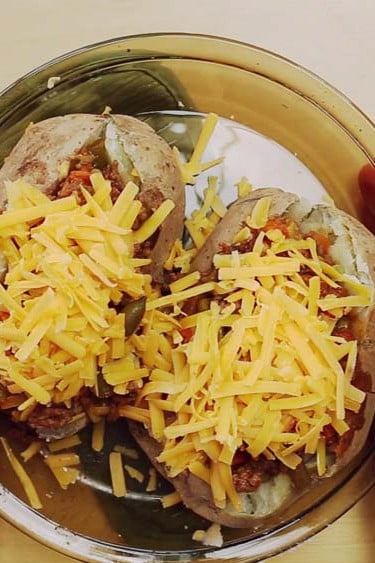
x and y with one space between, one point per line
25 480
117 474
171 499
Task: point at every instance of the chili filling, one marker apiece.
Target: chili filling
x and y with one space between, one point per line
248 473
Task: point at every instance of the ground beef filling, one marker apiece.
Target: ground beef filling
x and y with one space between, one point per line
55 417
248 474
79 177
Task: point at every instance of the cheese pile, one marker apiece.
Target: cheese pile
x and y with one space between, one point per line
67 265
262 368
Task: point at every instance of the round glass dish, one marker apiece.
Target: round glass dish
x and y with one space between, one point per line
273 97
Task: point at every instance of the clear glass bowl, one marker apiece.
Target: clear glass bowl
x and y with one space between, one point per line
273 97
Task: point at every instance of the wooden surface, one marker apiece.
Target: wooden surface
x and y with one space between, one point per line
334 38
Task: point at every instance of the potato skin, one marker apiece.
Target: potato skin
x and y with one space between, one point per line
46 145
195 493
232 220
160 178
364 331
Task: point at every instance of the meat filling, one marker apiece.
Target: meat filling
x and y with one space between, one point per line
249 475
79 176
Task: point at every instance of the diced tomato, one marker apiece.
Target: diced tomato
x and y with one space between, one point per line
191 305
83 175
344 442
366 182
240 458
11 402
187 334
344 333
4 315
322 241
280 223
326 289
330 434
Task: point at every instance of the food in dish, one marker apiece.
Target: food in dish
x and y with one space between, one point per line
94 204
274 370
245 353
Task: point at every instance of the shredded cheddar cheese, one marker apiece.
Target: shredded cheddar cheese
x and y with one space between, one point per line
65 476
135 473
171 499
203 221
257 364
64 443
271 381
243 187
191 169
117 474
62 460
67 263
25 480
97 440
131 453
152 481
212 536
33 449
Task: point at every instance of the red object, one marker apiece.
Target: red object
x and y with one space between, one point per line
366 182
187 334
281 223
4 315
240 458
83 175
330 435
344 333
323 242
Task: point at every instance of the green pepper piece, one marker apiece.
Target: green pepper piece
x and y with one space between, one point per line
102 389
134 312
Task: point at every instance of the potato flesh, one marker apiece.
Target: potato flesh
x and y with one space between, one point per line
115 152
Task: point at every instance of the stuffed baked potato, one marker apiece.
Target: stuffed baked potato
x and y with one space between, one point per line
259 238
59 157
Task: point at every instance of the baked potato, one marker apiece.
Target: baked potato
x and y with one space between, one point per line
57 156
197 495
340 240
49 150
